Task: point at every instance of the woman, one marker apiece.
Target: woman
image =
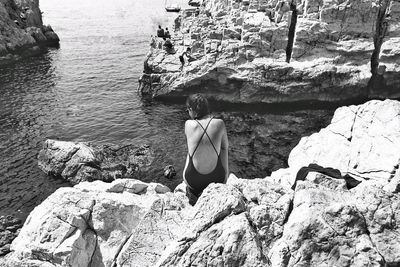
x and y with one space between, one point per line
207 141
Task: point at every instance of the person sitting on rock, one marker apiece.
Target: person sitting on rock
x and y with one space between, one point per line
160 32
182 58
168 45
207 141
166 33
153 42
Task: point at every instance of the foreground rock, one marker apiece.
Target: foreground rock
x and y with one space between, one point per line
22 30
340 228
260 222
89 224
240 50
78 162
243 223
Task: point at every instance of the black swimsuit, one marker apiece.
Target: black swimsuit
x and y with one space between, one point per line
196 181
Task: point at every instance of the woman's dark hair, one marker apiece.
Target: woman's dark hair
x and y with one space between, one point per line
199 105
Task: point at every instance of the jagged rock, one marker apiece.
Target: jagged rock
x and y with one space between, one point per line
37 34
9 229
362 141
77 162
339 229
90 226
51 37
330 59
232 225
231 242
22 29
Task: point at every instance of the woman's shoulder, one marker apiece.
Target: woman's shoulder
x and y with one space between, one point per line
214 121
218 122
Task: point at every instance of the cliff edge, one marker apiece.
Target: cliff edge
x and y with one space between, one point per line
22 30
273 51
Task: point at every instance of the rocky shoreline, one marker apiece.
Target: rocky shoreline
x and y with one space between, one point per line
315 221
259 52
23 33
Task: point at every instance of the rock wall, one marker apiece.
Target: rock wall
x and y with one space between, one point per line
260 222
22 30
240 51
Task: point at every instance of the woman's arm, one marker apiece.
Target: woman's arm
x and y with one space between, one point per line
224 151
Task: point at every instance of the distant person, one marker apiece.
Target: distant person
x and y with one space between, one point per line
160 32
166 33
182 57
207 142
153 42
167 43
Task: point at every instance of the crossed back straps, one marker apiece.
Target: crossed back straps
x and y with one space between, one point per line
204 132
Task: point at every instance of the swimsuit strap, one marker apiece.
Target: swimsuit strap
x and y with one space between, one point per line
205 132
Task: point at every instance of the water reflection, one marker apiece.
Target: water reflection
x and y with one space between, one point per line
29 111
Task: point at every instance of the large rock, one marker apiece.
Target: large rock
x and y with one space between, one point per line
22 30
340 228
77 162
362 141
232 225
333 44
99 224
243 223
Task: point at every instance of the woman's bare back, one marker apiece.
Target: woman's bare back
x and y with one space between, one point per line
205 157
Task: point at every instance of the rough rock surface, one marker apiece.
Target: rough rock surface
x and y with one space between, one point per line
9 229
239 51
22 30
362 141
77 162
340 228
96 224
232 225
243 223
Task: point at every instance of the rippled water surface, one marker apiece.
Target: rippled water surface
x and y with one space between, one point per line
86 91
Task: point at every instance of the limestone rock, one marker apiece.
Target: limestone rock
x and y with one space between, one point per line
77 162
231 242
361 140
346 229
330 60
233 224
98 227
